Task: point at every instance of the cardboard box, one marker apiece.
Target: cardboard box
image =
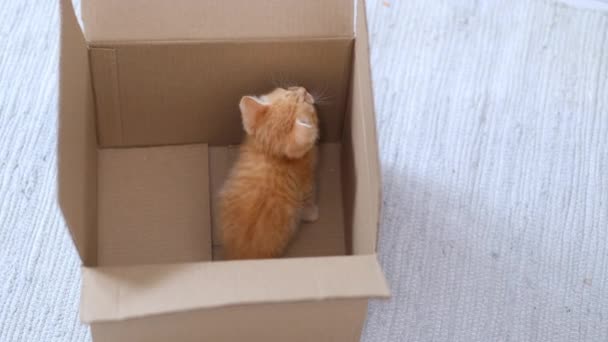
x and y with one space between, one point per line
148 120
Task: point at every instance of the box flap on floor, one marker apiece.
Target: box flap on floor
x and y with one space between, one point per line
153 205
77 139
116 293
158 20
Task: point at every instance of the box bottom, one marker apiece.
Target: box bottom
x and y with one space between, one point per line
156 205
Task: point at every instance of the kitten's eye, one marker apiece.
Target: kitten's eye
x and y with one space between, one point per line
304 122
263 99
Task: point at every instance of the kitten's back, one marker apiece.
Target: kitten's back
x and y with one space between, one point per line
259 207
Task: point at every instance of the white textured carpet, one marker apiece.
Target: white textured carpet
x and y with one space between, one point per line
493 121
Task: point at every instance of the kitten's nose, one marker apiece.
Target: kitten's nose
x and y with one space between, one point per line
303 94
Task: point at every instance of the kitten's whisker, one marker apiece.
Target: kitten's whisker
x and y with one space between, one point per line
321 96
274 81
290 83
323 103
315 94
281 80
323 90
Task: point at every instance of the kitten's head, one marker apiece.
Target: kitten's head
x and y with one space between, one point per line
283 122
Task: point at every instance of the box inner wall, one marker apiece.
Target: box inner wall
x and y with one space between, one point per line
168 128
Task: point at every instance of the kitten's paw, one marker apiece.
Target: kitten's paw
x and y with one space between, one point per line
310 213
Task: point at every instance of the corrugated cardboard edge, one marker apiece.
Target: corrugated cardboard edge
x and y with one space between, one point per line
335 320
367 94
77 140
361 167
118 293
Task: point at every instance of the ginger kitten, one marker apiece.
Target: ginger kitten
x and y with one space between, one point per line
270 188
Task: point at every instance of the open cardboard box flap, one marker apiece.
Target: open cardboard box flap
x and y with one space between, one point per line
116 293
158 20
77 145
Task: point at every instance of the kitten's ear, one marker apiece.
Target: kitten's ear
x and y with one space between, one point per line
252 110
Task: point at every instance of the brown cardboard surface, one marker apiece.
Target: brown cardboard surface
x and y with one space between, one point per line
104 71
317 321
324 237
166 74
154 205
183 93
116 293
145 20
221 160
360 164
77 157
